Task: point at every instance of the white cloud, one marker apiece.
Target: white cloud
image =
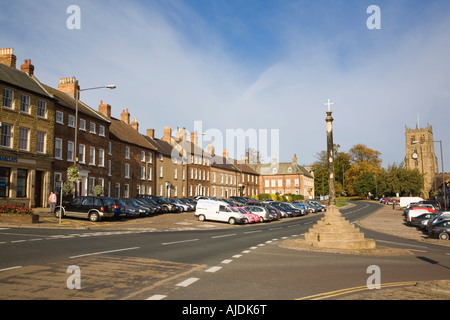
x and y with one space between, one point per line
171 68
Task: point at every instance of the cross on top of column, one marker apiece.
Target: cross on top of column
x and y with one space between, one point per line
329 104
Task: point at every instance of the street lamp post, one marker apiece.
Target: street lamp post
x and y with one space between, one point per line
443 177
77 97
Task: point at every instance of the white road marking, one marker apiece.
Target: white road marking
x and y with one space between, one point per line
156 297
187 282
213 269
224 235
102 252
176 242
11 268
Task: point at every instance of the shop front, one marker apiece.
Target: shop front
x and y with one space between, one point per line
24 181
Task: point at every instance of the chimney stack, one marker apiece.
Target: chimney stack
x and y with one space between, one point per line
69 86
167 134
225 153
294 159
125 116
105 109
180 134
7 57
151 133
194 138
135 124
210 149
27 67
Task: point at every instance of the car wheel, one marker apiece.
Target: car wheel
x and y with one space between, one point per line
443 236
94 217
232 221
58 212
201 218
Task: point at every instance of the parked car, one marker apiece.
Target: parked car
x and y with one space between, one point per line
119 209
166 207
264 213
251 217
190 206
414 206
151 204
290 208
281 213
218 211
140 209
434 203
415 213
440 230
304 208
438 218
179 205
87 207
130 210
321 206
421 220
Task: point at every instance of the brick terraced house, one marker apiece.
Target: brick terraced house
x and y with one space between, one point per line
92 140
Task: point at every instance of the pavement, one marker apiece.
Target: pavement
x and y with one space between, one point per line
386 220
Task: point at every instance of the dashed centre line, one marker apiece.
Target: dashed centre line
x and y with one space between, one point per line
187 282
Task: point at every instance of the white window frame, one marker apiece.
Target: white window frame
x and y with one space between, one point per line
92 156
41 146
8 97
58 155
70 151
25 104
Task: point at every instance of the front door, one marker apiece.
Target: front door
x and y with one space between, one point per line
38 189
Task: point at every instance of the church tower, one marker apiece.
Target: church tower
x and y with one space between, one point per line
420 155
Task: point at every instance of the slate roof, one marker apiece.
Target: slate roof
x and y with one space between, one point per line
22 80
244 167
281 168
124 132
223 163
68 101
162 147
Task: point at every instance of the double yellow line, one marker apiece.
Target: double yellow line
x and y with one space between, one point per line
332 294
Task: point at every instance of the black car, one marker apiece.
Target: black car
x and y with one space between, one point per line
92 208
290 210
440 230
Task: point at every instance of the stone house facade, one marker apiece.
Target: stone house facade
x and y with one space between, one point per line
27 118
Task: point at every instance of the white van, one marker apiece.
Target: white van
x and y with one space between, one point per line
218 211
405 201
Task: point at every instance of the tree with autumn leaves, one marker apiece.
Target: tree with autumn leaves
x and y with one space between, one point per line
359 172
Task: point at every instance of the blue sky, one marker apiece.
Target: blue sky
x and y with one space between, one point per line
251 65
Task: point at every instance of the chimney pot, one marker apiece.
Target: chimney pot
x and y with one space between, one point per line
125 116
27 67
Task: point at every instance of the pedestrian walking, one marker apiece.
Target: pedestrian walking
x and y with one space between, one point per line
52 200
